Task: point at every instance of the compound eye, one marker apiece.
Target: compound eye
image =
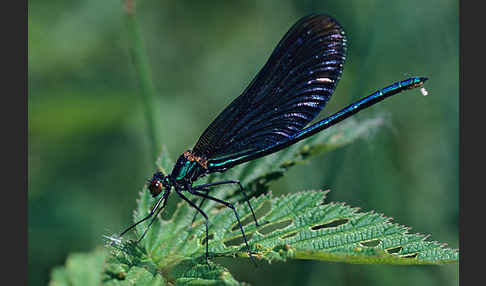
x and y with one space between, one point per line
155 187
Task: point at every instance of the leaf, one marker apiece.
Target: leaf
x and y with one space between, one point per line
336 232
299 226
127 256
296 226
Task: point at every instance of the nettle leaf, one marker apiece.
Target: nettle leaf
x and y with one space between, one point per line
295 226
298 226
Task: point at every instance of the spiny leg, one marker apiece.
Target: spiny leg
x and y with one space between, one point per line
206 191
147 217
196 188
204 215
229 205
155 217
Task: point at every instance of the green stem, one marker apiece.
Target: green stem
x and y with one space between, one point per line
142 68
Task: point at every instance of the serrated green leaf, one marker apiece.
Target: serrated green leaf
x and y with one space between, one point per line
127 256
299 226
296 226
133 269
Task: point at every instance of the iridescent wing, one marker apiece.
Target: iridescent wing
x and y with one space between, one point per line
289 91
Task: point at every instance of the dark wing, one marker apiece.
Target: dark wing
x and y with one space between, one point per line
288 93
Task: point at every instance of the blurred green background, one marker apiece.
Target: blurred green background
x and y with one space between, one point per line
89 153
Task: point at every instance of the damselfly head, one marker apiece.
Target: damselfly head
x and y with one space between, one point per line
157 183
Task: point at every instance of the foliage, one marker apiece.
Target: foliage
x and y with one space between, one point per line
88 138
295 226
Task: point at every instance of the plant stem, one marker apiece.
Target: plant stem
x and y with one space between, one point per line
142 68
